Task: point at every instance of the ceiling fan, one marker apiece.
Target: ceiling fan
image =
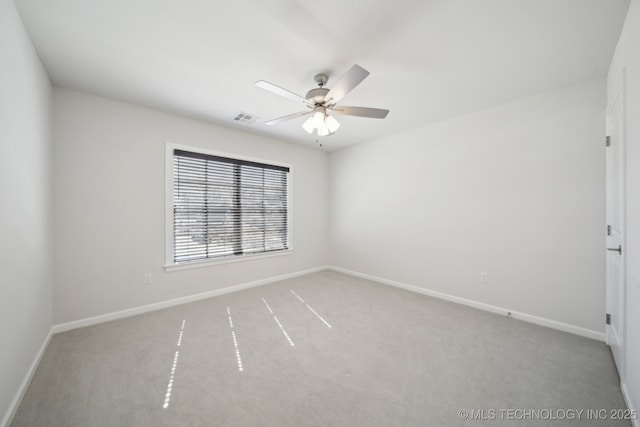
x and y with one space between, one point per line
320 101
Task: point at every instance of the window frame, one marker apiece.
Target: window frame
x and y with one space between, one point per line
170 265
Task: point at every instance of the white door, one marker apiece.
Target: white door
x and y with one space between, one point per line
615 278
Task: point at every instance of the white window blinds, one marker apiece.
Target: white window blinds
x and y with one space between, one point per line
224 207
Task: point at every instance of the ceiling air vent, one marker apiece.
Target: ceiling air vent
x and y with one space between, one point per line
245 118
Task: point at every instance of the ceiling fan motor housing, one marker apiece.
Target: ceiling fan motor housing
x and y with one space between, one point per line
316 96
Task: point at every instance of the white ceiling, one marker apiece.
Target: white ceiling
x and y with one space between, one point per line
429 59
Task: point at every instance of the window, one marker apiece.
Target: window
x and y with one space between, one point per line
225 207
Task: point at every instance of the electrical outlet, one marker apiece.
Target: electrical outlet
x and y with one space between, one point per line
484 277
147 279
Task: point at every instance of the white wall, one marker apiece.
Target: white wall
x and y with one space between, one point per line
516 191
628 55
25 207
109 169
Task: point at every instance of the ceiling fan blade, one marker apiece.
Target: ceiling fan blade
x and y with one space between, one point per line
374 113
282 92
350 80
289 117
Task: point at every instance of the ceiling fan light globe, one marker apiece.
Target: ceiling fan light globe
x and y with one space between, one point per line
331 123
318 119
308 125
323 131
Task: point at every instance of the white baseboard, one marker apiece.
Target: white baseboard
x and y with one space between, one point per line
577 330
17 398
625 393
182 300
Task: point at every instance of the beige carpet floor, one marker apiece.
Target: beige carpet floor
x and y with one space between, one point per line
322 350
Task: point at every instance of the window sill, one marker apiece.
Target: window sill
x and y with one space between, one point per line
210 263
